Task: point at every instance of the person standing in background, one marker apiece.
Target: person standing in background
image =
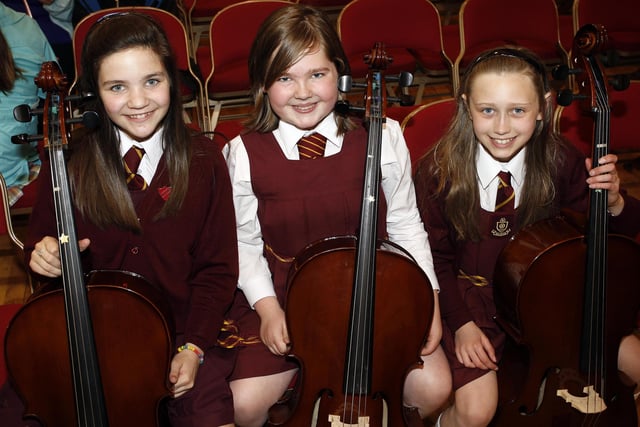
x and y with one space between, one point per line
54 19
23 49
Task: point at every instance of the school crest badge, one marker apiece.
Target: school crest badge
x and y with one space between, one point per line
502 228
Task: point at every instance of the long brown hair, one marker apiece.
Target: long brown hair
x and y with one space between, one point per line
96 166
283 38
452 161
9 72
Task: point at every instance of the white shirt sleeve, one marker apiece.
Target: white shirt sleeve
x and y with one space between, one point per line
255 277
404 224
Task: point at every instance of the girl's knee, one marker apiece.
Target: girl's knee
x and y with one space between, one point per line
429 396
473 416
249 411
250 415
629 357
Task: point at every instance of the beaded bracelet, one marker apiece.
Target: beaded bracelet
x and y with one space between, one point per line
193 348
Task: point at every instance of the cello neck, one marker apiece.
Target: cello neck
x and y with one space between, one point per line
589 40
87 384
360 344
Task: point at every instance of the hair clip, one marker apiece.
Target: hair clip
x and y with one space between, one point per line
510 53
109 16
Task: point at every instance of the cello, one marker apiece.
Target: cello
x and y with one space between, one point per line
74 353
580 278
357 311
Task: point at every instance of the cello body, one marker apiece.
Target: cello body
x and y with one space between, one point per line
133 340
539 299
403 312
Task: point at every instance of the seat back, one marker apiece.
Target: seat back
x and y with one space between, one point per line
576 124
486 24
198 14
224 63
411 33
425 125
620 19
324 3
330 7
192 88
6 225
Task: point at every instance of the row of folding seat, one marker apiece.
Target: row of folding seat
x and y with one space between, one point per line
413 35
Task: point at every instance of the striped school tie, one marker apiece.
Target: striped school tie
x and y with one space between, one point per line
132 160
312 146
505 195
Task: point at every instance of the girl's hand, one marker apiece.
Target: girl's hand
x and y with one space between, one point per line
605 177
45 258
184 368
473 348
435 333
273 326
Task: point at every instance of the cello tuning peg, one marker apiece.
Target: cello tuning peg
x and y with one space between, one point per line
24 112
566 97
404 79
24 138
89 119
344 107
81 97
345 84
562 72
620 82
404 100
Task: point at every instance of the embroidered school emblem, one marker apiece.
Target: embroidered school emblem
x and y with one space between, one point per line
164 192
502 228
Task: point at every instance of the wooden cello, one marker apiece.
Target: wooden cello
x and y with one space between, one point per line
95 352
567 295
357 313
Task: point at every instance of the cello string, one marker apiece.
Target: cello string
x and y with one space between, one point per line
362 320
79 328
71 298
603 144
599 237
605 218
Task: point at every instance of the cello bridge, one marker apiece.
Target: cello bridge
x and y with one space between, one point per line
592 403
334 421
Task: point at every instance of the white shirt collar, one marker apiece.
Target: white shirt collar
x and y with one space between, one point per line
288 135
153 147
153 150
488 167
